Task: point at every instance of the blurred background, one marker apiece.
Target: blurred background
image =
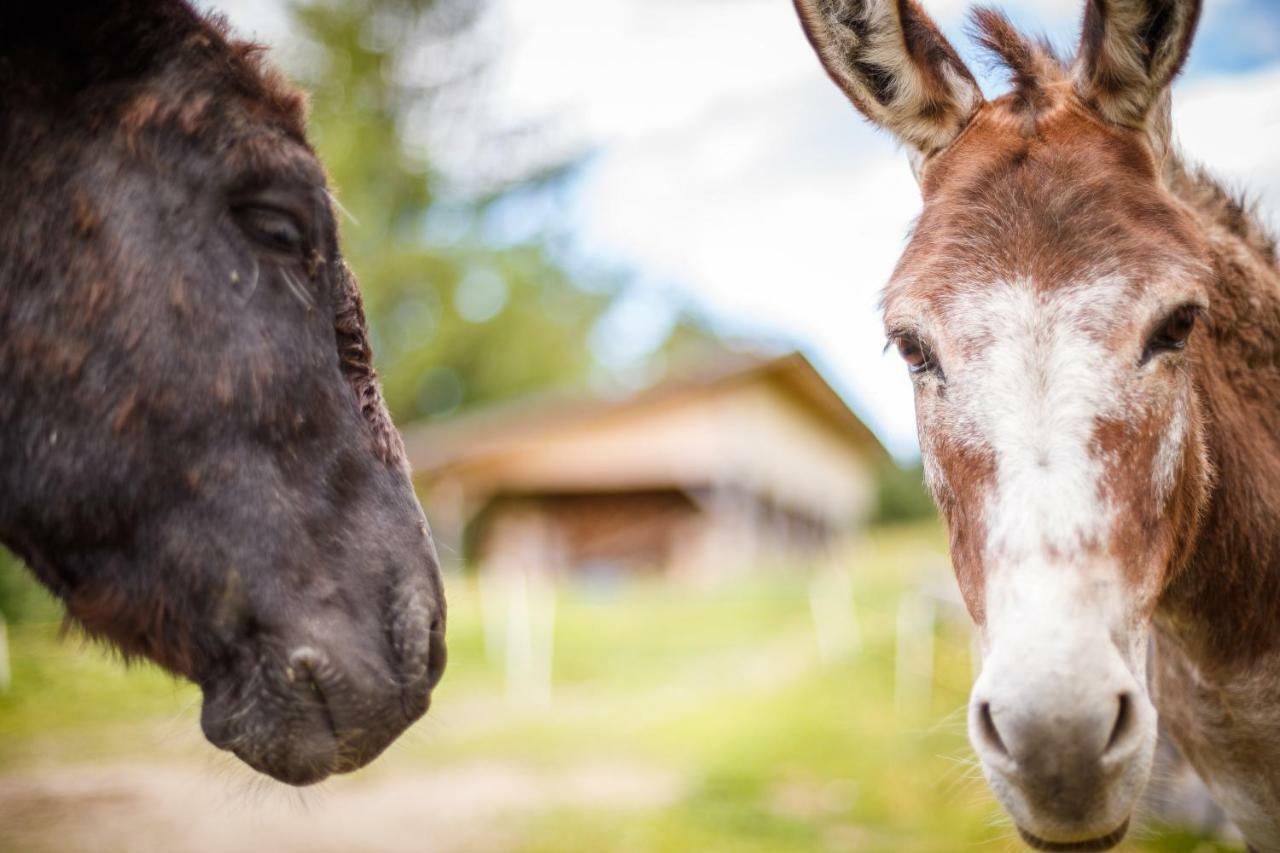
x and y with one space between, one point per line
621 261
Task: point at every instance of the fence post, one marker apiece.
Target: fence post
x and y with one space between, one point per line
833 610
919 610
518 599
913 661
6 674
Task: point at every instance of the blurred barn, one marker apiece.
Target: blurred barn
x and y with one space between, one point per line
742 462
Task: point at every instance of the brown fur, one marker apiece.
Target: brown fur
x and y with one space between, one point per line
144 627
1214 582
1130 52
1117 212
1068 179
1032 65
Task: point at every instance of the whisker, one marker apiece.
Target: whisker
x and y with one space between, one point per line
348 214
297 289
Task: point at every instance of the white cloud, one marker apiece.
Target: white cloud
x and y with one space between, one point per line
267 22
621 68
731 165
779 219
1231 124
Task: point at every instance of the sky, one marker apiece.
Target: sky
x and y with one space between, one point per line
726 170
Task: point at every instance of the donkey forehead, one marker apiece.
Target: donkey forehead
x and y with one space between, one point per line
238 132
1091 234
1070 202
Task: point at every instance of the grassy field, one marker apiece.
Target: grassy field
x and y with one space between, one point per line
681 718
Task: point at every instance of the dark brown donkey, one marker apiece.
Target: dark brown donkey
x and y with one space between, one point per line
194 453
1109 472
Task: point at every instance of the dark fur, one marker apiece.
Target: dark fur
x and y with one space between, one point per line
196 456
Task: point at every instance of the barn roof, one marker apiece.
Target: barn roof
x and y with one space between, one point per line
490 431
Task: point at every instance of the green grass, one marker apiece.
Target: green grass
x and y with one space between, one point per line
720 688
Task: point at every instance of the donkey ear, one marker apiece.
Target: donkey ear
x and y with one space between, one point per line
896 67
1130 51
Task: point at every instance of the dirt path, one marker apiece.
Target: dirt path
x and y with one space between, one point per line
469 807
176 803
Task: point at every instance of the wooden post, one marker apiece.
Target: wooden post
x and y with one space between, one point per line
6 674
835 616
913 659
919 611
518 595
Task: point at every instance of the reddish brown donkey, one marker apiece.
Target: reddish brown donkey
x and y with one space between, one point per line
1093 331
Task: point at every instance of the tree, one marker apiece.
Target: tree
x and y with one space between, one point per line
456 319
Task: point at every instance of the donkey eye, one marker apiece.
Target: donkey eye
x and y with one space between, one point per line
272 228
913 353
1172 333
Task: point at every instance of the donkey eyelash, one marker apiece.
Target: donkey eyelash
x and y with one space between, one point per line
915 352
893 335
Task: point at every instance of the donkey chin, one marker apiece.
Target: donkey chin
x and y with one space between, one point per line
303 709
1066 740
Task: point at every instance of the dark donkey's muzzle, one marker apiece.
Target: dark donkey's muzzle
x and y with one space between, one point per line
329 701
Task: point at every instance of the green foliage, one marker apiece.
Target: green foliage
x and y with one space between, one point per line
457 317
902 495
66 686
22 598
717 690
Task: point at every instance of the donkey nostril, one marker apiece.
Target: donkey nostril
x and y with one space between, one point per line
306 659
1123 725
987 728
306 665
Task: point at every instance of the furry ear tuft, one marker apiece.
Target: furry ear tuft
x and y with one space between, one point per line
895 65
1031 64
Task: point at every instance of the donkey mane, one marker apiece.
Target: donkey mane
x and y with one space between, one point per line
1232 210
357 365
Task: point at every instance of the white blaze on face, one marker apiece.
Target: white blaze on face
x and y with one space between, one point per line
1030 390
1032 396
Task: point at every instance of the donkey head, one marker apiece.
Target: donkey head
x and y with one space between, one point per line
196 455
1045 306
